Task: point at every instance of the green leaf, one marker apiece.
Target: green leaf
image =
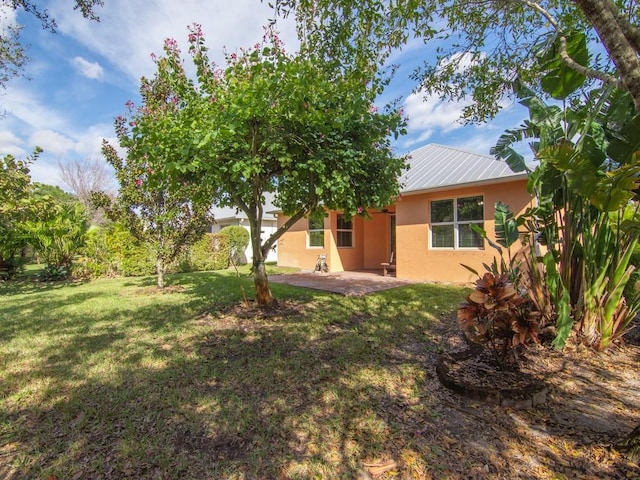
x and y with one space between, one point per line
506 226
560 80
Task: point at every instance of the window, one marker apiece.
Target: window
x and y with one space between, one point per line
451 222
344 232
316 232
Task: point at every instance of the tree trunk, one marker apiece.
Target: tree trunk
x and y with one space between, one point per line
261 282
619 40
160 273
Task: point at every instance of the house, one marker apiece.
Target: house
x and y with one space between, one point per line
228 216
428 228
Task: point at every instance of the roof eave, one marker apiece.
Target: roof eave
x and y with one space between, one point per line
481 183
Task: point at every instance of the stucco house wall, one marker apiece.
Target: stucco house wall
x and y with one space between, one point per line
440 174
416 259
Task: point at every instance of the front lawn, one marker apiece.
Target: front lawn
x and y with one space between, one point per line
112 379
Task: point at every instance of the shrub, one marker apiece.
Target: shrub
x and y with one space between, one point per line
96 258
53 273
495 314
12 266
212 252
238 238
130 257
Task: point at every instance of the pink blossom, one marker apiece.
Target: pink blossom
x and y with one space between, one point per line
359 210
138 182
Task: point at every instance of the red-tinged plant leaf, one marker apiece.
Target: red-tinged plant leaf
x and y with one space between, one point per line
506 292
478 297
489 305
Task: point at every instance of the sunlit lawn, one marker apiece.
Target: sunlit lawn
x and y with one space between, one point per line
110 379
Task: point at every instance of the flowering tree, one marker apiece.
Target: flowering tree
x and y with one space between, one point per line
273 122
166 219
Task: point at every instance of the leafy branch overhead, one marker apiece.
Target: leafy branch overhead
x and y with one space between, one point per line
482 47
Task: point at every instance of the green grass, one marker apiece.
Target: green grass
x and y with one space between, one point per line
112 379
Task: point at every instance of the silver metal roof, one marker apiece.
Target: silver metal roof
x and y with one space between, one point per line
435 167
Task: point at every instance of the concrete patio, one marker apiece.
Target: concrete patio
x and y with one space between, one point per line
345 283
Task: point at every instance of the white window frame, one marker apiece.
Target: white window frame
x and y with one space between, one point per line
339 230
455 223
314 230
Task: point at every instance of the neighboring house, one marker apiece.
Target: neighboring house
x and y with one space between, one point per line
227 216
428 229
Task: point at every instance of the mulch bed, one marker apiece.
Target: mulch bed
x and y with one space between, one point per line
592 402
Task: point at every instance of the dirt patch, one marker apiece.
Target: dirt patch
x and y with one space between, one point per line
592 402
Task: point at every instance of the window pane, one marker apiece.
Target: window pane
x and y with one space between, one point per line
470 208
345 239
316 238
442 211
442 236
469 238
343 224
316 223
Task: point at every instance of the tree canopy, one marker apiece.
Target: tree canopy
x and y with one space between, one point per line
484 45
274 122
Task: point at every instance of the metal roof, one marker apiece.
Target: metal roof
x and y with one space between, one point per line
435 167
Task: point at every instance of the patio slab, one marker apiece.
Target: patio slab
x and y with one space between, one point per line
345 283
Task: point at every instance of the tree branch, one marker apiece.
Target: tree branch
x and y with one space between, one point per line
268 244
564 55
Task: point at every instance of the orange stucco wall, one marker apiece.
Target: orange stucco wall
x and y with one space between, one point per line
293 249
377 238
415 260
292 246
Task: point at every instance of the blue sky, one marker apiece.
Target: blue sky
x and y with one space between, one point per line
80 78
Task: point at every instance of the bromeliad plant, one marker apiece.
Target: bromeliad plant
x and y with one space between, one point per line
495 314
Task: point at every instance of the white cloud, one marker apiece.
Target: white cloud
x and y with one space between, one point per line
479 143
7 16
429 115
89 69
129 32
53 143
58 147
89 143
29 108
10 144
45 170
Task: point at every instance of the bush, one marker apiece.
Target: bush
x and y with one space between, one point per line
53 273
495 314
11 267
210 253
113 251
238 238
96 258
